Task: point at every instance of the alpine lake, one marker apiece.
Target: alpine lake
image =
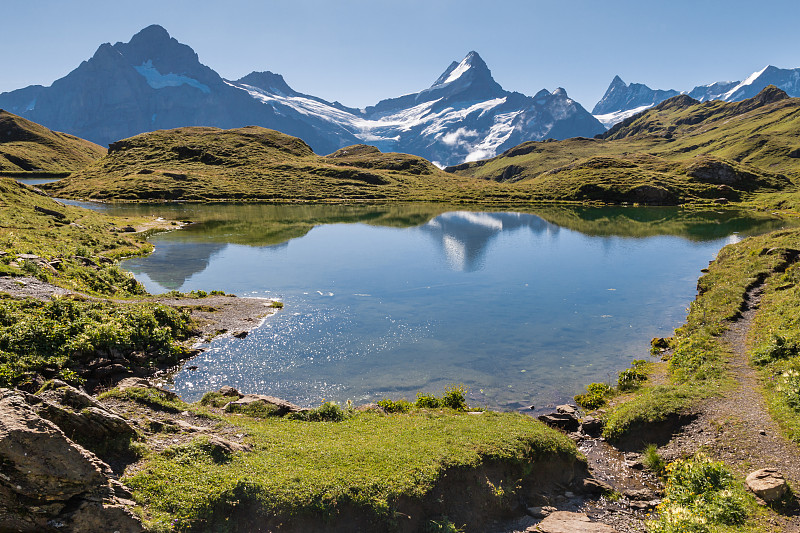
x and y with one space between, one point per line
523 307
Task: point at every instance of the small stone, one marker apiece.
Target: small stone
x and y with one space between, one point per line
593 485
537 512
566 522
767 483
638 494
229 391
762 432
565 409
642 506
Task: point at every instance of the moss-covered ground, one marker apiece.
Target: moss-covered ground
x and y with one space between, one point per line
371 463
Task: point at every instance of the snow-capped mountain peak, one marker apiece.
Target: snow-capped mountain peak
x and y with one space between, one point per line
472 66
749 81
155 82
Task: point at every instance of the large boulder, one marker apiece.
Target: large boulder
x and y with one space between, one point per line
47 478
767 483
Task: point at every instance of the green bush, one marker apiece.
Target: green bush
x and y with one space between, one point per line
789 387
630 379
699 494
64 332
595 397
390 406
455 397
327 412
427 401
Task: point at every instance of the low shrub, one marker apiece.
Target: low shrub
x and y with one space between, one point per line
777 348
699 494
652 460
455 397
391 406
788 386
596 396
253 409
427 401
327 412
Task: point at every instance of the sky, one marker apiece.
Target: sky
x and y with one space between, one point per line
361 51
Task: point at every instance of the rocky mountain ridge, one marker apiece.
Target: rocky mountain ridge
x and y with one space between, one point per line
154 82
622 101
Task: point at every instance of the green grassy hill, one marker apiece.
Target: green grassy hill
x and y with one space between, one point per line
678 151
254 163
27 147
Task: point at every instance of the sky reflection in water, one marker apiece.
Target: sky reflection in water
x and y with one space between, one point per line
519 309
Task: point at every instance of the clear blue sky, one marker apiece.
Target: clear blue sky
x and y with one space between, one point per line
360 51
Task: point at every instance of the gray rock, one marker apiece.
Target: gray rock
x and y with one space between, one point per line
593 485
134 382
592 426
561 421
229 391
566 522
281 407
767 483
540 512
49 482
639 494
566 409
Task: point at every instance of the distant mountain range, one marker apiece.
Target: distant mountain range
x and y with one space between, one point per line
622 101
154 82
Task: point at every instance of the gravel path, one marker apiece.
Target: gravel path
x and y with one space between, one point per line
737 427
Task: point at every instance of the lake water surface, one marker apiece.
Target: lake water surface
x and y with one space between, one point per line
523 308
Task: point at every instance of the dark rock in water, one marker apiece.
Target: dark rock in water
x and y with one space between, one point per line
595 486
639 494
563 421
240 334
592 426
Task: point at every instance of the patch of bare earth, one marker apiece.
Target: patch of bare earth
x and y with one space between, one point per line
737 428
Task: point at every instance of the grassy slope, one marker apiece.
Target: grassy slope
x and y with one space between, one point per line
696 366
254 163
372 463
76 249
683 149
29 147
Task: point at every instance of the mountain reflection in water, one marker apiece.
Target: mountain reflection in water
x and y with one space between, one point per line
391 300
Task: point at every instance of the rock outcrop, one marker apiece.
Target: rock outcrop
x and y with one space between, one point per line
50 483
